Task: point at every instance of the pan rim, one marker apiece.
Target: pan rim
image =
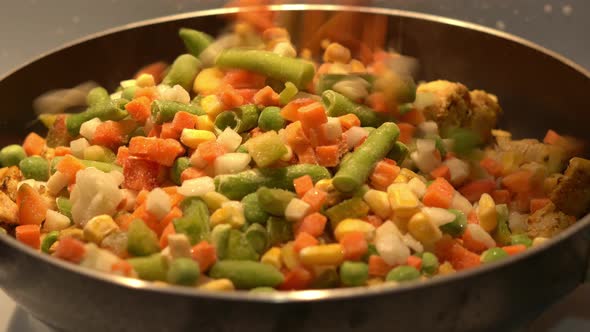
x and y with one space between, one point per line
307 295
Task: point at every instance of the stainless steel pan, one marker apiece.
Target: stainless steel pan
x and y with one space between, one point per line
537 88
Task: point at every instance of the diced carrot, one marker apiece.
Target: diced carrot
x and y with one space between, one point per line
306 155
156 69
159 150
491 166
518 182
210 150
155 131
141 174
150 92
148 218
141 197
472 244
113 134
184 120
327 155
31 206
168 131
29 235
122 267
297 278
69 166
501 196
348 121
191 173
303 184
266 97
373 220
247 94
439 194
230 98
312 116
538 203
354 245
415 261
442 171
472 217
406 132
304 240
414 117
552 137
168 230
123 220
474 189
244 79
139 108
122 155
174 213
521 202
448 249
315 198
514 249
384 173
205 254
33 144
377 102
291 111
61 151
378 267
313 224
70 249
295 136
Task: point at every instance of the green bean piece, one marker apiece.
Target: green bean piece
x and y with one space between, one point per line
12 155
429 263
150 268
274 201
279 231
257 237
227 119
249 116
180 164
288 93
101 166
259 290
354 171
194 41
183 271
457 227
252 211
521 239
371 250
492 255
247 274
35 167
239 248
327 278
327 81
195 220
285 69
64 206
165 110
403 273
104 110
350 208
48 241
220 238
502 233
399 152
97 95
129 92
183 71
354 274
338 105
271 119
440 146
236 186
141 240
405 108
464 140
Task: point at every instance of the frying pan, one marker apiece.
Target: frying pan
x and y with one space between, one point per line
537 89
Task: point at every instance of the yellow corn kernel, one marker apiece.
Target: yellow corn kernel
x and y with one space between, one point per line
97 228
194 137
211 105
350 225
410 174
325 185
423 229
378 202
207 81
539 240
220 216
228 214
375 282
508 162
214 200
305 54
336 53
446 268
404 202
327 254
145 80
218 285
273 257
72 232
401 179
334 195
289 256
205 123
356 66
486 212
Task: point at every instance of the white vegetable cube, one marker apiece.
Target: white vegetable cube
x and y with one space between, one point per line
88 128
197 187
417 186
426 161
198 161
428 128
479 234
285 48
158 203
390 245
177 94
425 145
438 216
78 146
332 129
98 259
55 221
231 163
461 203
459 170
296 210
130 197
57 182
229 139
179 246
354 135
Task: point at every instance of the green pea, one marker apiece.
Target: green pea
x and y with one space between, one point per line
35 167
271 119
521 239
151 267
183 271
11 155
403 273
493 255
97 95
429 263
64 206
252 210
456 227
354 273
49 240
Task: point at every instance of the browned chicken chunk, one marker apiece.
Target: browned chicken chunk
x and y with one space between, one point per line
9 179
8 210
572 192
548 221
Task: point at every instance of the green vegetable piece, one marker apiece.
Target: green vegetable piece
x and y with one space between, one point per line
249 116
502 234
35 167
354 273
257 237
129 92
266 149
242 149
457 227
195 220
429 263
183 271
288 93
97 95
180 164
405 108
371 250
194 41
285 69
227 119
492 255
271 119
99 153
521 239
274 201
236 186
220 238
183 71
399 152
247 274
259 290
464 140
12 155
64 206
338 105
403 273
327 278
327 81
350 208
279 231
252 211
440 146
239 248
141 240
48 241
150 268
165 110
354 171
104 110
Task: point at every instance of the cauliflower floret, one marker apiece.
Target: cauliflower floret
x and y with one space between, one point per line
95 193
